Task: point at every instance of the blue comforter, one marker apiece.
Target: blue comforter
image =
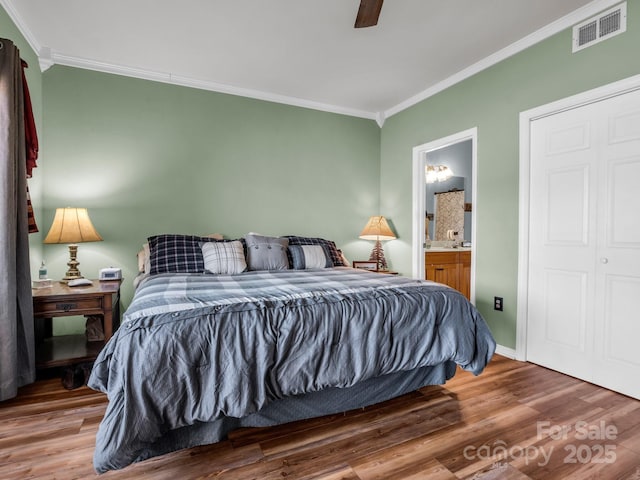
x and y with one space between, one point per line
197 348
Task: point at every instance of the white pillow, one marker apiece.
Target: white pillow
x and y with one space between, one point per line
144 261
141 259
344 258
225 258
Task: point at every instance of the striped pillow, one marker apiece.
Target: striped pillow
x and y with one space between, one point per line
310 256
330 245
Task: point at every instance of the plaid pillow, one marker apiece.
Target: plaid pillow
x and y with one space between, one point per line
224 257
173 253
329 245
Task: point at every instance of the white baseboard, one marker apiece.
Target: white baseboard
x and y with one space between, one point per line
506 352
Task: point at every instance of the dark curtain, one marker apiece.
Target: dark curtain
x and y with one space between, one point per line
17 350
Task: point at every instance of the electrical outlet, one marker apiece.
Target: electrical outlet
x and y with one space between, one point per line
498 303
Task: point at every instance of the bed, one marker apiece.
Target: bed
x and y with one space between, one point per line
201 353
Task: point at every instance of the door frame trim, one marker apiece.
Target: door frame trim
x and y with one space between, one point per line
526 118
419 191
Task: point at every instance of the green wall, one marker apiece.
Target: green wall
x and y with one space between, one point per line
492 101
34 80
147 158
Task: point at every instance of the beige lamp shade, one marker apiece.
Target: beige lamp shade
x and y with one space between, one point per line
72 226
377 228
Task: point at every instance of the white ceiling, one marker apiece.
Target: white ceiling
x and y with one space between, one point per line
300 52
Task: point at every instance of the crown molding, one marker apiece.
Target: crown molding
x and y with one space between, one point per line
543 33
44 59
270 97
47 58
170 78
86 64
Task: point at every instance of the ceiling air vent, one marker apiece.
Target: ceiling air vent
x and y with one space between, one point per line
602 27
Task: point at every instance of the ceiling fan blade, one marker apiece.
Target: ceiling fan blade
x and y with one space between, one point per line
368 13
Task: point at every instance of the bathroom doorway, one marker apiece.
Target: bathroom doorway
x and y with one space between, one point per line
458 153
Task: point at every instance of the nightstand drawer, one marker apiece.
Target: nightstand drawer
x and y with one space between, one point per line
66 306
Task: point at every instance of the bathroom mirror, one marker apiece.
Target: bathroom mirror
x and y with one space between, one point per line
458 153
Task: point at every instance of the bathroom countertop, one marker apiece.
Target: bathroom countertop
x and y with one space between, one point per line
447 249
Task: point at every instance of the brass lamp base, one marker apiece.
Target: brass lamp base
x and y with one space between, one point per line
73 271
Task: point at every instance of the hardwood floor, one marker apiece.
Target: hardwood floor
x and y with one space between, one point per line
515 421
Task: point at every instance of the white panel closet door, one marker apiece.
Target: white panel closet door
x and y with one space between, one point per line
564 160
584 264
618 257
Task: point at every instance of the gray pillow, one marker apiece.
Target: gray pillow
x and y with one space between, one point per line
266 253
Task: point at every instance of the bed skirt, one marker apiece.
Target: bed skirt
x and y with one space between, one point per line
310 405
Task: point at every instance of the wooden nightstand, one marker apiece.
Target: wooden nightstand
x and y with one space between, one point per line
370 266
102 298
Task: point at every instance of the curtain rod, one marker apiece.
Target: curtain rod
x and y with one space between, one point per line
449 191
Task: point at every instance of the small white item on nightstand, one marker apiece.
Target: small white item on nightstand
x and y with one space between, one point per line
41 283
79 282
110 273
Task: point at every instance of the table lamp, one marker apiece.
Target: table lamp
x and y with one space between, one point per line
377 229
72 226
